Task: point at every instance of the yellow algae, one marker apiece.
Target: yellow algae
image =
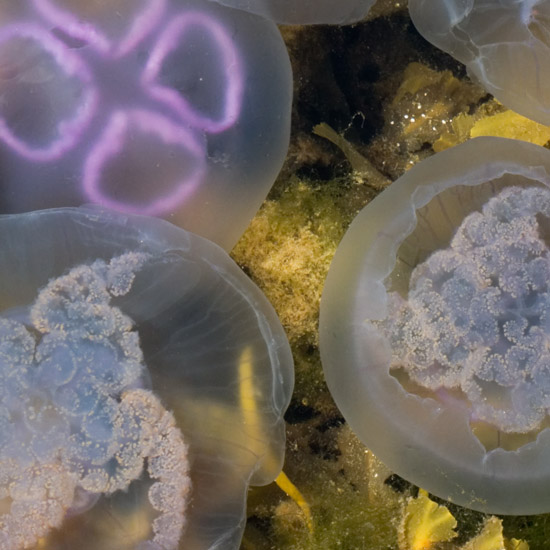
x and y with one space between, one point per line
253 422
515 544
294 493
249 405
252 419
457 132
417 77
425 102
491 538
428 99
486 122
425 523
511 125
420 111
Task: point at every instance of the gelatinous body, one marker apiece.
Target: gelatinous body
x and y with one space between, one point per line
171 108
301 12
477 315
74 415
505 46
434 326
131 356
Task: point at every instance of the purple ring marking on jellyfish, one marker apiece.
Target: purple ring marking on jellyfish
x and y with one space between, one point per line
69 130
231 63
111 143
144 22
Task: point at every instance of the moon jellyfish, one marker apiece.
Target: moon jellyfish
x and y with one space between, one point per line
435 326
171 108
303 12
143 379
504 45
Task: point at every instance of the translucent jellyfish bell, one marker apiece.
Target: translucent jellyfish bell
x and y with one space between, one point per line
504 45
435 325
172 108
302 12
143 379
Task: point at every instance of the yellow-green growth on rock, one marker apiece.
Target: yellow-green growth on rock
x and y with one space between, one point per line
288 248
425 523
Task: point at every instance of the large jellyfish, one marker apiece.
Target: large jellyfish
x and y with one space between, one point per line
143 379
505 46
171 108
435 326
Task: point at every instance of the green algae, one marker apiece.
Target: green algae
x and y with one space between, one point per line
367 509
287 250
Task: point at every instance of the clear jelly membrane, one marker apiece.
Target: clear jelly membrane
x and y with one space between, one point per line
435 326
504 45
143 379
172 108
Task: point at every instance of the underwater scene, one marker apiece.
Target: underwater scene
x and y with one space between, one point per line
372 100
275 274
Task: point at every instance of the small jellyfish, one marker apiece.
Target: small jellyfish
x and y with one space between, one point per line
143 380
171 108
303 12
435 328
504 45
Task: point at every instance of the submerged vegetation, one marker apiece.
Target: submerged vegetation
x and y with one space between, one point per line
392 106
